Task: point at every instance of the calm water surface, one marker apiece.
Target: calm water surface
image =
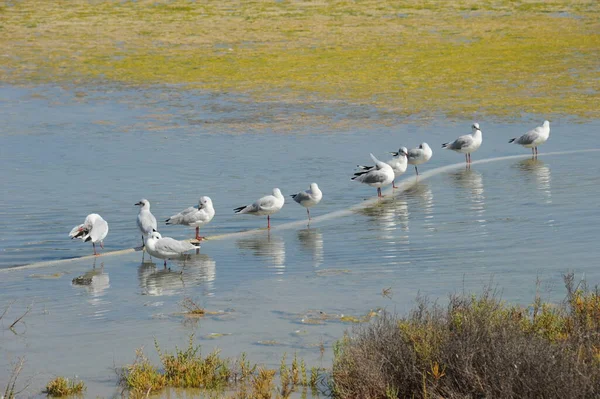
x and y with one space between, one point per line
65 154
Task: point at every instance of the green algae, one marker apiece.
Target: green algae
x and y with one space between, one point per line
463 58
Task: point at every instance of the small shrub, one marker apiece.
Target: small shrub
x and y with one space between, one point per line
476 346
61 386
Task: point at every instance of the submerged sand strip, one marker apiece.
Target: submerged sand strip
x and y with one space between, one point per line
403 186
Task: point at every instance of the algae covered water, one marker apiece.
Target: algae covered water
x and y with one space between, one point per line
67 153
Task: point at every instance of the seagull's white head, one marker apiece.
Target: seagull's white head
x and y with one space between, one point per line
144 203
204 202
155 235
277 193
475 127
314 186
546 124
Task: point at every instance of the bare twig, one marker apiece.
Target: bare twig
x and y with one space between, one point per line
21 317
10 393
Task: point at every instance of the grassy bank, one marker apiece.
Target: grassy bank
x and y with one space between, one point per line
462 58
476 347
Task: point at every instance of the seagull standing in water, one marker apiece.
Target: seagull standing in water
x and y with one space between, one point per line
466 144
93 229
378 176
266 205
533 138
195 217
398 164
167 247
419 155
145 220
309 197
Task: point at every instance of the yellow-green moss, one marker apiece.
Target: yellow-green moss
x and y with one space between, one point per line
462 58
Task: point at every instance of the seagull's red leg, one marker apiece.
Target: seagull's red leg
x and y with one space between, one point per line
198 237
308 213
102 244
416 170
394 183
165 264
94 246
268 221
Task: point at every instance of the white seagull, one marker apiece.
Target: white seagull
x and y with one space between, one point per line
398 164
93 229
167 247
466 144
195 216
378 176
266 205
419 155
533 138
309 197
145 220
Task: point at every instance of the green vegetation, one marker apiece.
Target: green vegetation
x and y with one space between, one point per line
188 369
61 386
477 346
463 58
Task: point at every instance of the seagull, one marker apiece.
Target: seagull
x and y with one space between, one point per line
167 247
378 176
419 155
146 221
466 144
195 216
533 138
398 164
309 197
93 229
266 205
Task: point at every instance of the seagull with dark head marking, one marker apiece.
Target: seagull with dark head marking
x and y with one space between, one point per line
93 229
466 144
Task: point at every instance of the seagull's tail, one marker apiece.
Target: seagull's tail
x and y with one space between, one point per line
445 145
168 221
365 167
293 195
237 210
512 140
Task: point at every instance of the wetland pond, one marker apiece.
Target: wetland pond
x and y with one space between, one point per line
66 153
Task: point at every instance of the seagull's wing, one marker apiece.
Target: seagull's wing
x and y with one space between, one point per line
99 230
374 176
461 142
184 217
168 245
301 196
414 153
146 222
78 231
266 203
529 137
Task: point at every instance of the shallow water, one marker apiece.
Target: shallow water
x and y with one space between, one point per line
64 155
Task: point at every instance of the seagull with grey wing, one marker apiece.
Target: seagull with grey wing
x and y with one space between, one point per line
146 221
399 164
378 176
466 144
266 205
195 216
93 229
419 155
308 198
167 247
533 138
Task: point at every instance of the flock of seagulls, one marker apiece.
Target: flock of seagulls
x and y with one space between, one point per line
95 229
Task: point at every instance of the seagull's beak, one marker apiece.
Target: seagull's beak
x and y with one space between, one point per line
138 203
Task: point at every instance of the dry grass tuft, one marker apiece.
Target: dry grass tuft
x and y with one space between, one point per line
476 347
192 308
61 386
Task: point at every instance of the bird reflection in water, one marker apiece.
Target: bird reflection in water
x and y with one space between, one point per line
197 270
96 282
268 247
311 240
419 196
389 216
472 182
540 172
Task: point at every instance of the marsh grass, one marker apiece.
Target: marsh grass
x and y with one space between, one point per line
61 386
476 346
192 308
412 57
187 368
11 392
